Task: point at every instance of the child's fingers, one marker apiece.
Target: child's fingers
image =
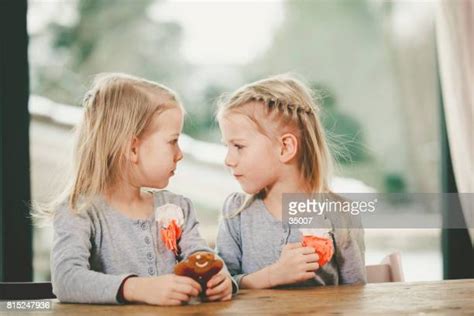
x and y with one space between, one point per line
216 290
311 257
179 296
220 297
172 302
307 250
189 281
186 289
309 275
215 297
312 266
292 245
222 287
228 297
186 280
215 280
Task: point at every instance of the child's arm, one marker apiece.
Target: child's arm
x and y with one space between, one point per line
168 289
350 252
72 278
74 282
191 240
292 266
228 243
221 286
296 264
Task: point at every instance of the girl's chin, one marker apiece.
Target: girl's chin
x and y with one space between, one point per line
162 184
250 190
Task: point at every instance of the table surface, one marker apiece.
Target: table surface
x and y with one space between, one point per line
446 297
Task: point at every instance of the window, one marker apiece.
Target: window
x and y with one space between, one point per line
373 61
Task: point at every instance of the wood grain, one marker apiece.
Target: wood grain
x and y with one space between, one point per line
445 297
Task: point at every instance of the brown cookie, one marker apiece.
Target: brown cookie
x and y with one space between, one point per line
200 266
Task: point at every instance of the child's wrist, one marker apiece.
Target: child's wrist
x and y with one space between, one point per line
129 289
272 278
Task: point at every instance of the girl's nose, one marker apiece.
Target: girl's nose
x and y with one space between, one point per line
179 155
229 162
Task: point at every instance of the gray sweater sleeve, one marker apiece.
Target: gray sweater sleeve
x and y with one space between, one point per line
350 251
191 240
229 243
73 280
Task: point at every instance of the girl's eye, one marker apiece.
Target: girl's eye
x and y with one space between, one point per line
238 146
174 141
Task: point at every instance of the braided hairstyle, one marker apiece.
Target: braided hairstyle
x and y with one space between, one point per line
291 104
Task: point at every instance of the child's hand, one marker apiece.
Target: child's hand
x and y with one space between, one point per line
296 264
219 287
169 289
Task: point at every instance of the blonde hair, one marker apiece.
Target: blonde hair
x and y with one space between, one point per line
289 102
117 108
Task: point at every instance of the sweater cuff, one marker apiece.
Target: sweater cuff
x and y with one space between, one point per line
238 278
120 297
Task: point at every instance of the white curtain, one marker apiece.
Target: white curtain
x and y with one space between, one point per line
455 41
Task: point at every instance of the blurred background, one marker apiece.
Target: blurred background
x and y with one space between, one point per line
372 62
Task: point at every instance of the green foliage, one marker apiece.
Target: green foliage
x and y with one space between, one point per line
110 36
394 183
344 132
201 122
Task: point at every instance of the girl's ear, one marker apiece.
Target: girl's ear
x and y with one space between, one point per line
288 147
132 151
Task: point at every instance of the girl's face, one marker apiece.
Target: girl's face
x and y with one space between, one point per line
158 152
252 157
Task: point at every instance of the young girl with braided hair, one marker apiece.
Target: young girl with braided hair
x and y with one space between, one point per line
276 144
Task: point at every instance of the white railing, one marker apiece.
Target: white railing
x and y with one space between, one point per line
201 151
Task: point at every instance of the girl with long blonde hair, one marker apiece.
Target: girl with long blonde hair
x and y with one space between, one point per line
277 145
115 242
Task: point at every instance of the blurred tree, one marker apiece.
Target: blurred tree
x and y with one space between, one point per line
201 123
345 133
340 44
110 36
413 55
394 183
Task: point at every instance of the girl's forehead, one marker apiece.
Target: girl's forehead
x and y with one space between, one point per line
236 119
168 121
234 122
253 119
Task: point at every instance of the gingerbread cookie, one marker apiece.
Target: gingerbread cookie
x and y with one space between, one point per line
201 267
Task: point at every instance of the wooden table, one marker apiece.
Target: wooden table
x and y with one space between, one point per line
445 297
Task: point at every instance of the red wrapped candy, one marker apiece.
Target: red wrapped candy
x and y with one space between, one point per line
170 236
323 246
